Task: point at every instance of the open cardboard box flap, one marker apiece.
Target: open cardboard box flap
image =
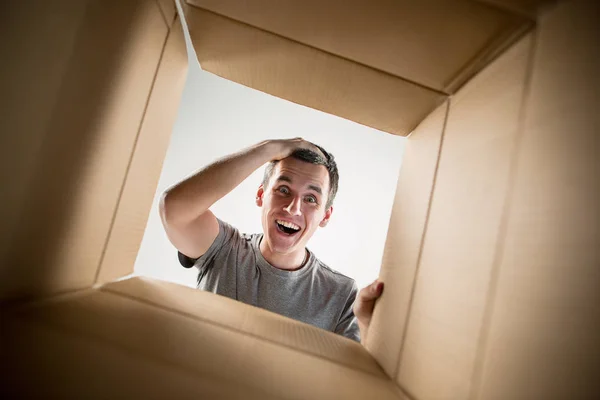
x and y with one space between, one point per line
491 260
224 344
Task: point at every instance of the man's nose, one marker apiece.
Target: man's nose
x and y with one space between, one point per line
294 208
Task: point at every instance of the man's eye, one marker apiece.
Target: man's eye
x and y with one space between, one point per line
310 199
284 190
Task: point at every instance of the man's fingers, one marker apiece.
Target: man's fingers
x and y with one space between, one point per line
371 292
365 302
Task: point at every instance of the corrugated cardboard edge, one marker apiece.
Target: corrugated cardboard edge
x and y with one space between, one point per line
143 172
407 228
249 320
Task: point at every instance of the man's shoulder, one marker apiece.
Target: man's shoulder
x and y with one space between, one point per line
250 236
232 231
251 239
336 278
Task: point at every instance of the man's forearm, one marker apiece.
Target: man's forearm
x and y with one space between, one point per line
190 198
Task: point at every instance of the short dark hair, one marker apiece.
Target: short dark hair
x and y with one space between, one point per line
312 157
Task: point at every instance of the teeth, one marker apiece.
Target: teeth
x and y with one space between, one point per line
288 224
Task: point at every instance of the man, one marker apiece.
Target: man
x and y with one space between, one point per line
273 270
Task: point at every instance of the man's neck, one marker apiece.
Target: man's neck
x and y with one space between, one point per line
288 262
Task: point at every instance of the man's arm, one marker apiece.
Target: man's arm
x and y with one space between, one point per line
184 208
364 305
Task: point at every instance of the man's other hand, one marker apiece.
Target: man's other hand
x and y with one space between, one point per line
364 305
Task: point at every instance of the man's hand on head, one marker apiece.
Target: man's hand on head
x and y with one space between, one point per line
288 146
364 305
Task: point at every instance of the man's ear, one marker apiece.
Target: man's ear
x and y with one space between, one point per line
325 219
259 195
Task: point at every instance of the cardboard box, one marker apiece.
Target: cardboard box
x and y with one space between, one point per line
492 261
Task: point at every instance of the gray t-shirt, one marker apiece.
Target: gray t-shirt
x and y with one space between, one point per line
234 267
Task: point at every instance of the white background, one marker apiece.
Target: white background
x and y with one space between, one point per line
218 117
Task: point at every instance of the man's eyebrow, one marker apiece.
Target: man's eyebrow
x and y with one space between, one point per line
284 178
315 188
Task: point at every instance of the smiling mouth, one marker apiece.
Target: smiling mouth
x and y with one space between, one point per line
287 227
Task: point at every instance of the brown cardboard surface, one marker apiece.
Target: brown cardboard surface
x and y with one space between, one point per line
542 341
31 75
224 359
504 253
76 160
252 321
462 231
425 41
305 75
404 240
144 170
167 7
527 7
43 361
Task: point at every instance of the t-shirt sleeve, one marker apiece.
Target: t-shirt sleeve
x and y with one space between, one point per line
348 325
224 238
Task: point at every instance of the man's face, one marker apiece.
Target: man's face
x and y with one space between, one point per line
293 204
